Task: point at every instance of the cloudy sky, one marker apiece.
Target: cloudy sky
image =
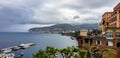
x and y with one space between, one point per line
20 15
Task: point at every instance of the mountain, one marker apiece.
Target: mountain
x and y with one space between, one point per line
87 26
62 27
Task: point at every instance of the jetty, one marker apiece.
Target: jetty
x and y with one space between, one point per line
5 52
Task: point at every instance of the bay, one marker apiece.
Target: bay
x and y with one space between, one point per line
8 39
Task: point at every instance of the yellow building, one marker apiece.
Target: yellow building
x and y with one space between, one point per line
83 32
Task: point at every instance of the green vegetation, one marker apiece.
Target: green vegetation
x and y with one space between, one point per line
52 52
96 32
75 52
95 52
83 53
109 53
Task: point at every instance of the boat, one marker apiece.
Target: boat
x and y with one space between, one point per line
24 46
10 55
15 48
6 50
72 38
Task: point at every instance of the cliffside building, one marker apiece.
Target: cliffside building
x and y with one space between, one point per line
111 19
110 26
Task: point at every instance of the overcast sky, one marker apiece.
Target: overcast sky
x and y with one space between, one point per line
20 15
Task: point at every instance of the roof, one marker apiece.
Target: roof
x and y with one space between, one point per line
107 13
117 6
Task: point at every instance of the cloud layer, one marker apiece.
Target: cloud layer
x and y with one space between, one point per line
31 13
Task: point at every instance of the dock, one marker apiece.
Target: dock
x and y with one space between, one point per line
14 48
5 52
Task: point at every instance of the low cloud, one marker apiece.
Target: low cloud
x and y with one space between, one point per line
18 13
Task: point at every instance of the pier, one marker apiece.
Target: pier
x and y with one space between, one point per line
5 52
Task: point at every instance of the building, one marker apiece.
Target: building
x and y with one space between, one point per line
114 19
105 20
111 19
110 26
111 40
83 32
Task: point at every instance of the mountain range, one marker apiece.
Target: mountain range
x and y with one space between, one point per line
63 27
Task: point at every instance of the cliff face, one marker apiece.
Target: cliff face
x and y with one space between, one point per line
63 27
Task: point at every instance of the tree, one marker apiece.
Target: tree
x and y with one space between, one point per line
77 34
40 54
96 32
51 51
109 53
82 53
68 52
77 56
61 51
95 52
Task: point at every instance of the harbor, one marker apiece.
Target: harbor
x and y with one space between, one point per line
6 52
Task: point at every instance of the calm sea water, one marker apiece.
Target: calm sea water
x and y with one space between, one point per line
8 39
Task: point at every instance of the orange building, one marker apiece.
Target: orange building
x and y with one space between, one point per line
111 19
115 18
110 26
105 20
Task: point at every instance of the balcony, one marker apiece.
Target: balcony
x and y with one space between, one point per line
113 18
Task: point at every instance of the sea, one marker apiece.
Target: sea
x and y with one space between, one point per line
8 39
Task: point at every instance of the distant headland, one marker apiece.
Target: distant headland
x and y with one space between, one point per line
58 28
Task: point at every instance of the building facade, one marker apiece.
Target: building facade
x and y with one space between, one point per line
115 17
83 32
110 26
111 19
105 20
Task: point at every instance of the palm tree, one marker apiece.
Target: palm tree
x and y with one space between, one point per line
95 52
51 51
75 49
40 54
96 32
77 56
68 52
65 52
109 53
77 34
61 51
82 53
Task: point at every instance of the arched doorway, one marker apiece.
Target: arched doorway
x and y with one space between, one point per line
118 44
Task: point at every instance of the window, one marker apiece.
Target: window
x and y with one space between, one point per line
117 34
118 44
109 34
91 41
98 42
109 43
115 12
86 40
